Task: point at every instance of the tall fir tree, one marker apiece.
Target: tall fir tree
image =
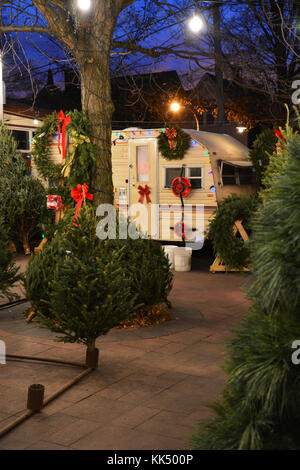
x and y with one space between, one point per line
23 198
9 272
260 406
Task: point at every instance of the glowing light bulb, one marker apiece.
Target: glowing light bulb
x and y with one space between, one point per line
84 4
241 129
196 23
175 106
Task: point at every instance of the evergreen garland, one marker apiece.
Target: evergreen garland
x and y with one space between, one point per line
182 143
231 249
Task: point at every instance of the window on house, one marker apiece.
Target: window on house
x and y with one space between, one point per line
22 139
194 174
142 163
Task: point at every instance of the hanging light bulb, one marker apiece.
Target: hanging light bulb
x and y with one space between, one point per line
241 129
35 122
84 5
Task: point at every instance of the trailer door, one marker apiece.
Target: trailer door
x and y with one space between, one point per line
143 183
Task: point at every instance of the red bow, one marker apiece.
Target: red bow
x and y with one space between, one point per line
144 192
78 195
171 134
54 202
279 136
63 121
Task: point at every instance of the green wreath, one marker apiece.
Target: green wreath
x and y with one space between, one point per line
79 164
231 250
182 143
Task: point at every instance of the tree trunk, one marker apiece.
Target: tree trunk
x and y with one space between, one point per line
93 60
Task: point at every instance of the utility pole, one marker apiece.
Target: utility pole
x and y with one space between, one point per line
1 89
218 63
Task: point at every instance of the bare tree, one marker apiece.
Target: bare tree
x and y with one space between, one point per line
90 39
259 48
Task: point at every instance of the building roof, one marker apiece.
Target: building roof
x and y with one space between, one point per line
17 108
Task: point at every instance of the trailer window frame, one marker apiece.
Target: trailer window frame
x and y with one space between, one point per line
186 173
237 175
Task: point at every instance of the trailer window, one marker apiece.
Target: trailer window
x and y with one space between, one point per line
142 163
195 176
171 174
246 175
229 175
235 176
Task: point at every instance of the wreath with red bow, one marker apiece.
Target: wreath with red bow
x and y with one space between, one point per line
53 132
173 143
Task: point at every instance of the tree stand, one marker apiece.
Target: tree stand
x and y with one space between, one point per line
217 265
92 357
35 397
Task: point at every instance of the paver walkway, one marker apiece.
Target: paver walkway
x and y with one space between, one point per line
149 390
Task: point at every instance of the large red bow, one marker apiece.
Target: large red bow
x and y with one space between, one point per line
63 123
171 134
144 192
78 195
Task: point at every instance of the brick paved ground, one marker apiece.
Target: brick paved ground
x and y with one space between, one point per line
149 390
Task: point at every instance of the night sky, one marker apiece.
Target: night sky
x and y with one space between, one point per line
40 50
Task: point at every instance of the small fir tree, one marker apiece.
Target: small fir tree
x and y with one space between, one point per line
143 263
90 292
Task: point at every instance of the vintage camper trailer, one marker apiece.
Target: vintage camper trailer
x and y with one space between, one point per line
216 165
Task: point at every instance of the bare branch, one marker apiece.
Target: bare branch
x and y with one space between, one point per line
56 21
24 29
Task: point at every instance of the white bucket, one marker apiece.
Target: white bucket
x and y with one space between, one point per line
169 251
183 259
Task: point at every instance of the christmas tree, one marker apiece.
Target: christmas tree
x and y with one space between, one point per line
143 263
23 198
263 147
260 407
8 270
90 292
